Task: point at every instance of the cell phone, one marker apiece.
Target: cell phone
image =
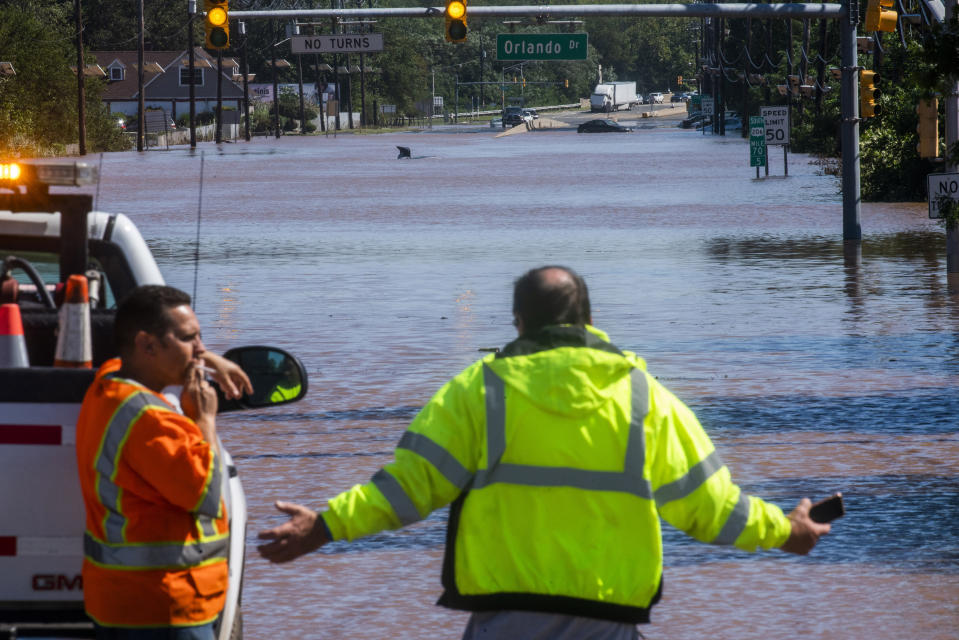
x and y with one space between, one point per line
828 510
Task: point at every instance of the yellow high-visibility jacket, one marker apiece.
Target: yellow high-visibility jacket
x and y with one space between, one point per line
558 455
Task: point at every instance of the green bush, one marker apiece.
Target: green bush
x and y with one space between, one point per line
103 132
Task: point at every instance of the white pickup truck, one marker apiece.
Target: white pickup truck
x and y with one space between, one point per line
44 238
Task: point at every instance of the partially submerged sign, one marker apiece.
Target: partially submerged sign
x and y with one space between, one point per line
777 124
941 185
707 105
757 142
541 46
344 43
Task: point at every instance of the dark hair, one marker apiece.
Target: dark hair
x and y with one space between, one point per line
145 309
541 299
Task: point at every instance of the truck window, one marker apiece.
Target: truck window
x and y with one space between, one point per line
47 265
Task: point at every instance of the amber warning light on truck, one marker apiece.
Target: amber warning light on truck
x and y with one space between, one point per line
64 174
9 172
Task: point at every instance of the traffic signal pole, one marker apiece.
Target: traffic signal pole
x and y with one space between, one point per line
849 101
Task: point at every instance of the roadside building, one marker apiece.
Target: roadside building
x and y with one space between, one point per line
166 82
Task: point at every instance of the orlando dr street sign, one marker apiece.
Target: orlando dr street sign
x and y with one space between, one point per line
541 46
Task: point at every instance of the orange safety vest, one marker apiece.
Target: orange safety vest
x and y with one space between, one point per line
157 533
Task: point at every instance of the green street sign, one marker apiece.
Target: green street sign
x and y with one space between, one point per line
757 141
541 46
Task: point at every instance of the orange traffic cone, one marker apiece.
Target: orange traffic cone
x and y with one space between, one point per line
74 342
13 347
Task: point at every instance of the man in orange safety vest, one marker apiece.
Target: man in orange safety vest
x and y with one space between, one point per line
157 533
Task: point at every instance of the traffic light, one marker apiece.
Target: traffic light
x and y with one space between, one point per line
879 17
456 21
928 128
217 24
566 83
868 94
679 81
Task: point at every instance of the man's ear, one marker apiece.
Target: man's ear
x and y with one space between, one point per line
146 343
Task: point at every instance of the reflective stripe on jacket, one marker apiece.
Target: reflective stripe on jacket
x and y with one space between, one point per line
559 454
157 532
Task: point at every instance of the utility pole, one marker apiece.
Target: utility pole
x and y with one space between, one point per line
849 99
246 85
81 89
295 31
219 96
191 11
141 116
952 139
336 72
276 89
482 61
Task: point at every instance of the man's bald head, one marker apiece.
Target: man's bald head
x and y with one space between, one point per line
550 295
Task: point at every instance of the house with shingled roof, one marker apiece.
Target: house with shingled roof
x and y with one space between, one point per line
166 81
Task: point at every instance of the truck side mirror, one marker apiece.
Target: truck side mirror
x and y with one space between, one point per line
278 377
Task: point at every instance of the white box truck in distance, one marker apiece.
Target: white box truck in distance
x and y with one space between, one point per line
613 96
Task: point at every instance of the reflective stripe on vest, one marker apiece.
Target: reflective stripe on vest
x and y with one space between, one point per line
629 480
107 464
154 555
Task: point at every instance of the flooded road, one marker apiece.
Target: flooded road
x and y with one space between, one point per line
814 368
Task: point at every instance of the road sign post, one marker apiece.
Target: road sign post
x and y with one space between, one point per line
757 142
541 46
777 129
708 110
941 185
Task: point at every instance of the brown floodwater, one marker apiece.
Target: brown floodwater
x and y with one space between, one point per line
814 368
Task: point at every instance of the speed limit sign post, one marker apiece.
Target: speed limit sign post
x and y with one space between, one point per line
777 129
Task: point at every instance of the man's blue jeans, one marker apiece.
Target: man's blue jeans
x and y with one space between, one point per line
203 632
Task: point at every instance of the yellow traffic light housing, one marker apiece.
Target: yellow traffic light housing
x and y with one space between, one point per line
868 94
217 24
456 21
928 128
879 17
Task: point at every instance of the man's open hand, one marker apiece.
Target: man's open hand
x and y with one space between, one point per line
302 533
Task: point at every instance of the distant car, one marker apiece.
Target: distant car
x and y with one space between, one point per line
532 113
513 116
656 98
677 97
693 119
731 123
602 126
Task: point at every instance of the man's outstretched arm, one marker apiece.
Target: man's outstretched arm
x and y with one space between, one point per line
304 532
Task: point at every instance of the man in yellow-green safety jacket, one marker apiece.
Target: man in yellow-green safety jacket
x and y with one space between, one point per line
558 455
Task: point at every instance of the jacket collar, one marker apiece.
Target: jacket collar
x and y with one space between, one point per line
555 336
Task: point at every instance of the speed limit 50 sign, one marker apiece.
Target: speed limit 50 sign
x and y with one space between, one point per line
777 124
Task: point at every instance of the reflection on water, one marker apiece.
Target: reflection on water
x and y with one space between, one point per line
816 366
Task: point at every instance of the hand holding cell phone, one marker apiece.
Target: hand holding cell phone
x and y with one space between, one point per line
828 510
